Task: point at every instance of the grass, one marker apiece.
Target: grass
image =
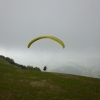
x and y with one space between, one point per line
19 84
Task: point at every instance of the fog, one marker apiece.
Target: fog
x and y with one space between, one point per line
75 22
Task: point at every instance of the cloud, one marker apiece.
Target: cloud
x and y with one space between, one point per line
76 23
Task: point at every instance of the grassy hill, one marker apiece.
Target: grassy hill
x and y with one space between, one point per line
21 84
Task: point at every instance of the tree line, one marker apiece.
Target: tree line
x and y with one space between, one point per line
11 61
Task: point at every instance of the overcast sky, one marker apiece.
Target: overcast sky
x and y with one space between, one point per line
75 22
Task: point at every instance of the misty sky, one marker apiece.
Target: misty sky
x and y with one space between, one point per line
75 22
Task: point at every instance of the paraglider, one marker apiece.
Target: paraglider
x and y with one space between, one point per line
45 68
50 37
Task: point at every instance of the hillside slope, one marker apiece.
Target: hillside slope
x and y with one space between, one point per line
20 84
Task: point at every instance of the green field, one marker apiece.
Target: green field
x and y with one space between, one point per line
21 84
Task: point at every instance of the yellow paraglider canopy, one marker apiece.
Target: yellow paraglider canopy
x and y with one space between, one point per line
50 37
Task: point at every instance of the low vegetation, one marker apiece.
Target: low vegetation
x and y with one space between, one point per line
11 61
20 84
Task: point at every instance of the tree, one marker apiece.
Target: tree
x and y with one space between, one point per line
1 56
30 67
11 61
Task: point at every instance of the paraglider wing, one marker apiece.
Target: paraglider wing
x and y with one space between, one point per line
50 37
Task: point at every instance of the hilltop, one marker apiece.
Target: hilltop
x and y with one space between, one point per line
22 84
